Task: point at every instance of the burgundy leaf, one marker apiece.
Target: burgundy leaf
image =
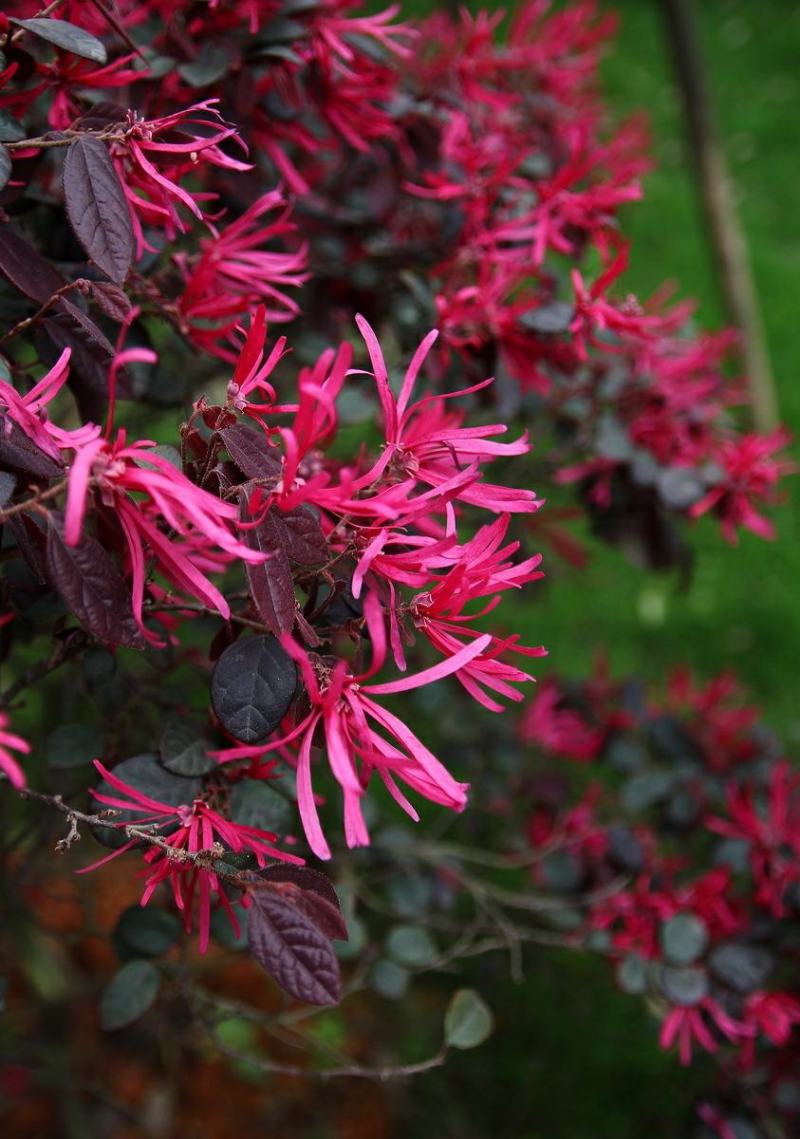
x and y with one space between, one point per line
69 37
304 538
292 950
21 453
97 208
303 877
89 581
271 582
92 353
111 300
325 916
250 451
26 269
30 539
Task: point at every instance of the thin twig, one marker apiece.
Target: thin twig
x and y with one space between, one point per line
203 859
32 502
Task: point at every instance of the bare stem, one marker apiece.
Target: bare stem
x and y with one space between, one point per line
32 502
203 859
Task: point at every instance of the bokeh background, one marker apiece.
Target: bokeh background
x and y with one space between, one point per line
571 1058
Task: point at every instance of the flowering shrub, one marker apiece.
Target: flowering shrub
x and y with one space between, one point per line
697 821
430 217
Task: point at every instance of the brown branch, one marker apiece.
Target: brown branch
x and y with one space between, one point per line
727 237
32 502
203 859
65 138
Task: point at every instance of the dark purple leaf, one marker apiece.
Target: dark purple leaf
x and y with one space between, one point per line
92 353
304 877
69 37
89 581
26 269
303 537
292 950
250 451
21 453
252 686
5 166
111 300
96 207
271 582
320 905
30 539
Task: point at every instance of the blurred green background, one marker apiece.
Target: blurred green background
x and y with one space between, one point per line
572 1059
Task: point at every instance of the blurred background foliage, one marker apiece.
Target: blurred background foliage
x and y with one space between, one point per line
570 1057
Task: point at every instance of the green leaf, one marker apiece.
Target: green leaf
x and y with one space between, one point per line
632 974
183 750
411 945
389 980
209 65
468 1020
254 803
5 166
73 745
146 931
356 940
223 932
10 129
129 994
683 987
67 36
683 939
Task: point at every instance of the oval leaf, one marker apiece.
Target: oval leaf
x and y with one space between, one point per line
67 36
292 950
252 687
26 269
89 581
254 803
411 945
468 1020
146 931
250 451
183 750
129 994
97 208
684 938
73 745
744 967
271 583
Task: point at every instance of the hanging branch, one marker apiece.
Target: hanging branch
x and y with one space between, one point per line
725 231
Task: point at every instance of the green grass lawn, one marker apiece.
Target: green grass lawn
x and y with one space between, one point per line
741 609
